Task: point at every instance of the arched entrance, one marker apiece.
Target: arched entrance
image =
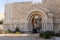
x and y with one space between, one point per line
36 20
36 23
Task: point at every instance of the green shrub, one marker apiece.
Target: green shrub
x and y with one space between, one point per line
47 35
17 29
51 32
57 34
17 32
41 34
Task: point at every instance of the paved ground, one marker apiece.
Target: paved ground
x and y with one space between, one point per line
21 37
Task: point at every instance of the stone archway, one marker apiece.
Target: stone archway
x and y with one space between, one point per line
36 22
40 15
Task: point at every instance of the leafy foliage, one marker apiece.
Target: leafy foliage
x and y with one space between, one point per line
17 32
46 34
41 34
17 29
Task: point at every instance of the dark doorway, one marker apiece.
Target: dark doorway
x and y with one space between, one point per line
37 24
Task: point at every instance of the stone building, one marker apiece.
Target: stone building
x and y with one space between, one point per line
44 16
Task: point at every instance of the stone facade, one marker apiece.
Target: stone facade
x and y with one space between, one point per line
19 15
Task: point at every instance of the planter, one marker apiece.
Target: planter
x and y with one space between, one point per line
57 38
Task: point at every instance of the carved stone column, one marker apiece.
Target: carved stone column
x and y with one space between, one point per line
44 25
50 25
47 25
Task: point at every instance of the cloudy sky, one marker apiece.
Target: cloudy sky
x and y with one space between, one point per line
2 2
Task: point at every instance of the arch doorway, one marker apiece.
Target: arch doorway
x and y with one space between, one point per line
36 21
36 24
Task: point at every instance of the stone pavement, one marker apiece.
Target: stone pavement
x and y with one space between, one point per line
21 37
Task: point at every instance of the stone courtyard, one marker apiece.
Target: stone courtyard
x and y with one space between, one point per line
21 37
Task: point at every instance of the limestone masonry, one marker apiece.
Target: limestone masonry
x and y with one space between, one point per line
21 14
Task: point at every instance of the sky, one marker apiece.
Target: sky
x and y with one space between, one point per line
3 2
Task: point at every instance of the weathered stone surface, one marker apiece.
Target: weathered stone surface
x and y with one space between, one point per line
18 13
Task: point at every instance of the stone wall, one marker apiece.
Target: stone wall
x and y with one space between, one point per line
17 13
